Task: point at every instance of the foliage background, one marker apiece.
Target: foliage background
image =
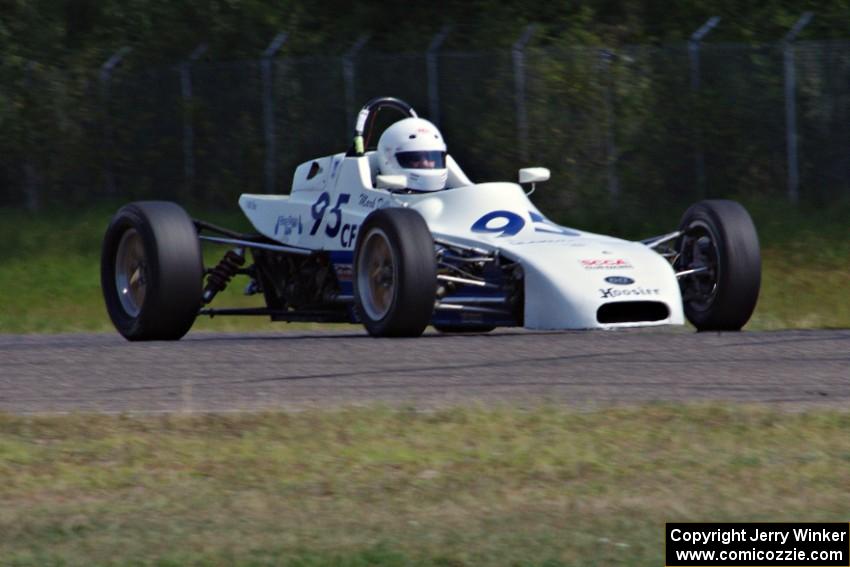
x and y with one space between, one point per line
603 73
84 32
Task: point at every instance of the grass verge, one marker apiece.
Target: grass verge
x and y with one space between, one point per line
50 272
376 486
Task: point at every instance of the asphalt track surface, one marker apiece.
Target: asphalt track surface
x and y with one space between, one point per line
293 370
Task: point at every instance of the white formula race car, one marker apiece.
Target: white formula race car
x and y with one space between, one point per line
400 238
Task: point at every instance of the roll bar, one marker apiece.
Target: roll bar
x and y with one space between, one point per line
366 119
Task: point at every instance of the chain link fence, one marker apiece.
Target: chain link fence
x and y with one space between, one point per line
617 127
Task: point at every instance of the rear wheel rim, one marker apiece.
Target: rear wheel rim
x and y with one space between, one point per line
131 272
377 275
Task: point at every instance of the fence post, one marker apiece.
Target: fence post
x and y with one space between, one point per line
108 136
188 112
518 53
791 106
610 138
348 77
268 109
31 183
433 79
694 56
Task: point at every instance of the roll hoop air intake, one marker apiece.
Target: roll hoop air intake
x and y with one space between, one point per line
366 119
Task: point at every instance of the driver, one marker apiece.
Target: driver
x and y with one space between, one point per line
413 147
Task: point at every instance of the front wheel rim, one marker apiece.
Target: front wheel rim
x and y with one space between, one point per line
377 275
131 272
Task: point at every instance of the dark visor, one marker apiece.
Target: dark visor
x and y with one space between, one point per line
422 160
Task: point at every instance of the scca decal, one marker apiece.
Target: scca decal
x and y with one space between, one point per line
606 264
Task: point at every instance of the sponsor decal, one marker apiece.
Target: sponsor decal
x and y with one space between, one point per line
611 292
606 264
619 280
373 202
344 272
288 224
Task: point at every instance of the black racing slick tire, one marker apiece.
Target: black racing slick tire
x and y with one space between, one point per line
720 244
395 273
151 271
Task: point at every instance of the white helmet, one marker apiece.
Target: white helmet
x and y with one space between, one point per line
415 148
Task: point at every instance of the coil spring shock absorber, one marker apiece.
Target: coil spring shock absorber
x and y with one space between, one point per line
221 275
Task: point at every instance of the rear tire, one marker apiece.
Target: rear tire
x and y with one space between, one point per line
151 271
719 235
395 273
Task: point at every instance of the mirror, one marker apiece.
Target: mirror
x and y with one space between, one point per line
533 174
391 181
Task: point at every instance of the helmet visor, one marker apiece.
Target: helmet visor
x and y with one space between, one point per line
422 160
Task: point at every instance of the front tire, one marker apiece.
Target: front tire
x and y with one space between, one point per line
151 271
719 242
395 273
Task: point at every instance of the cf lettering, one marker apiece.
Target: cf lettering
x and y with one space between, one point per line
348 236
